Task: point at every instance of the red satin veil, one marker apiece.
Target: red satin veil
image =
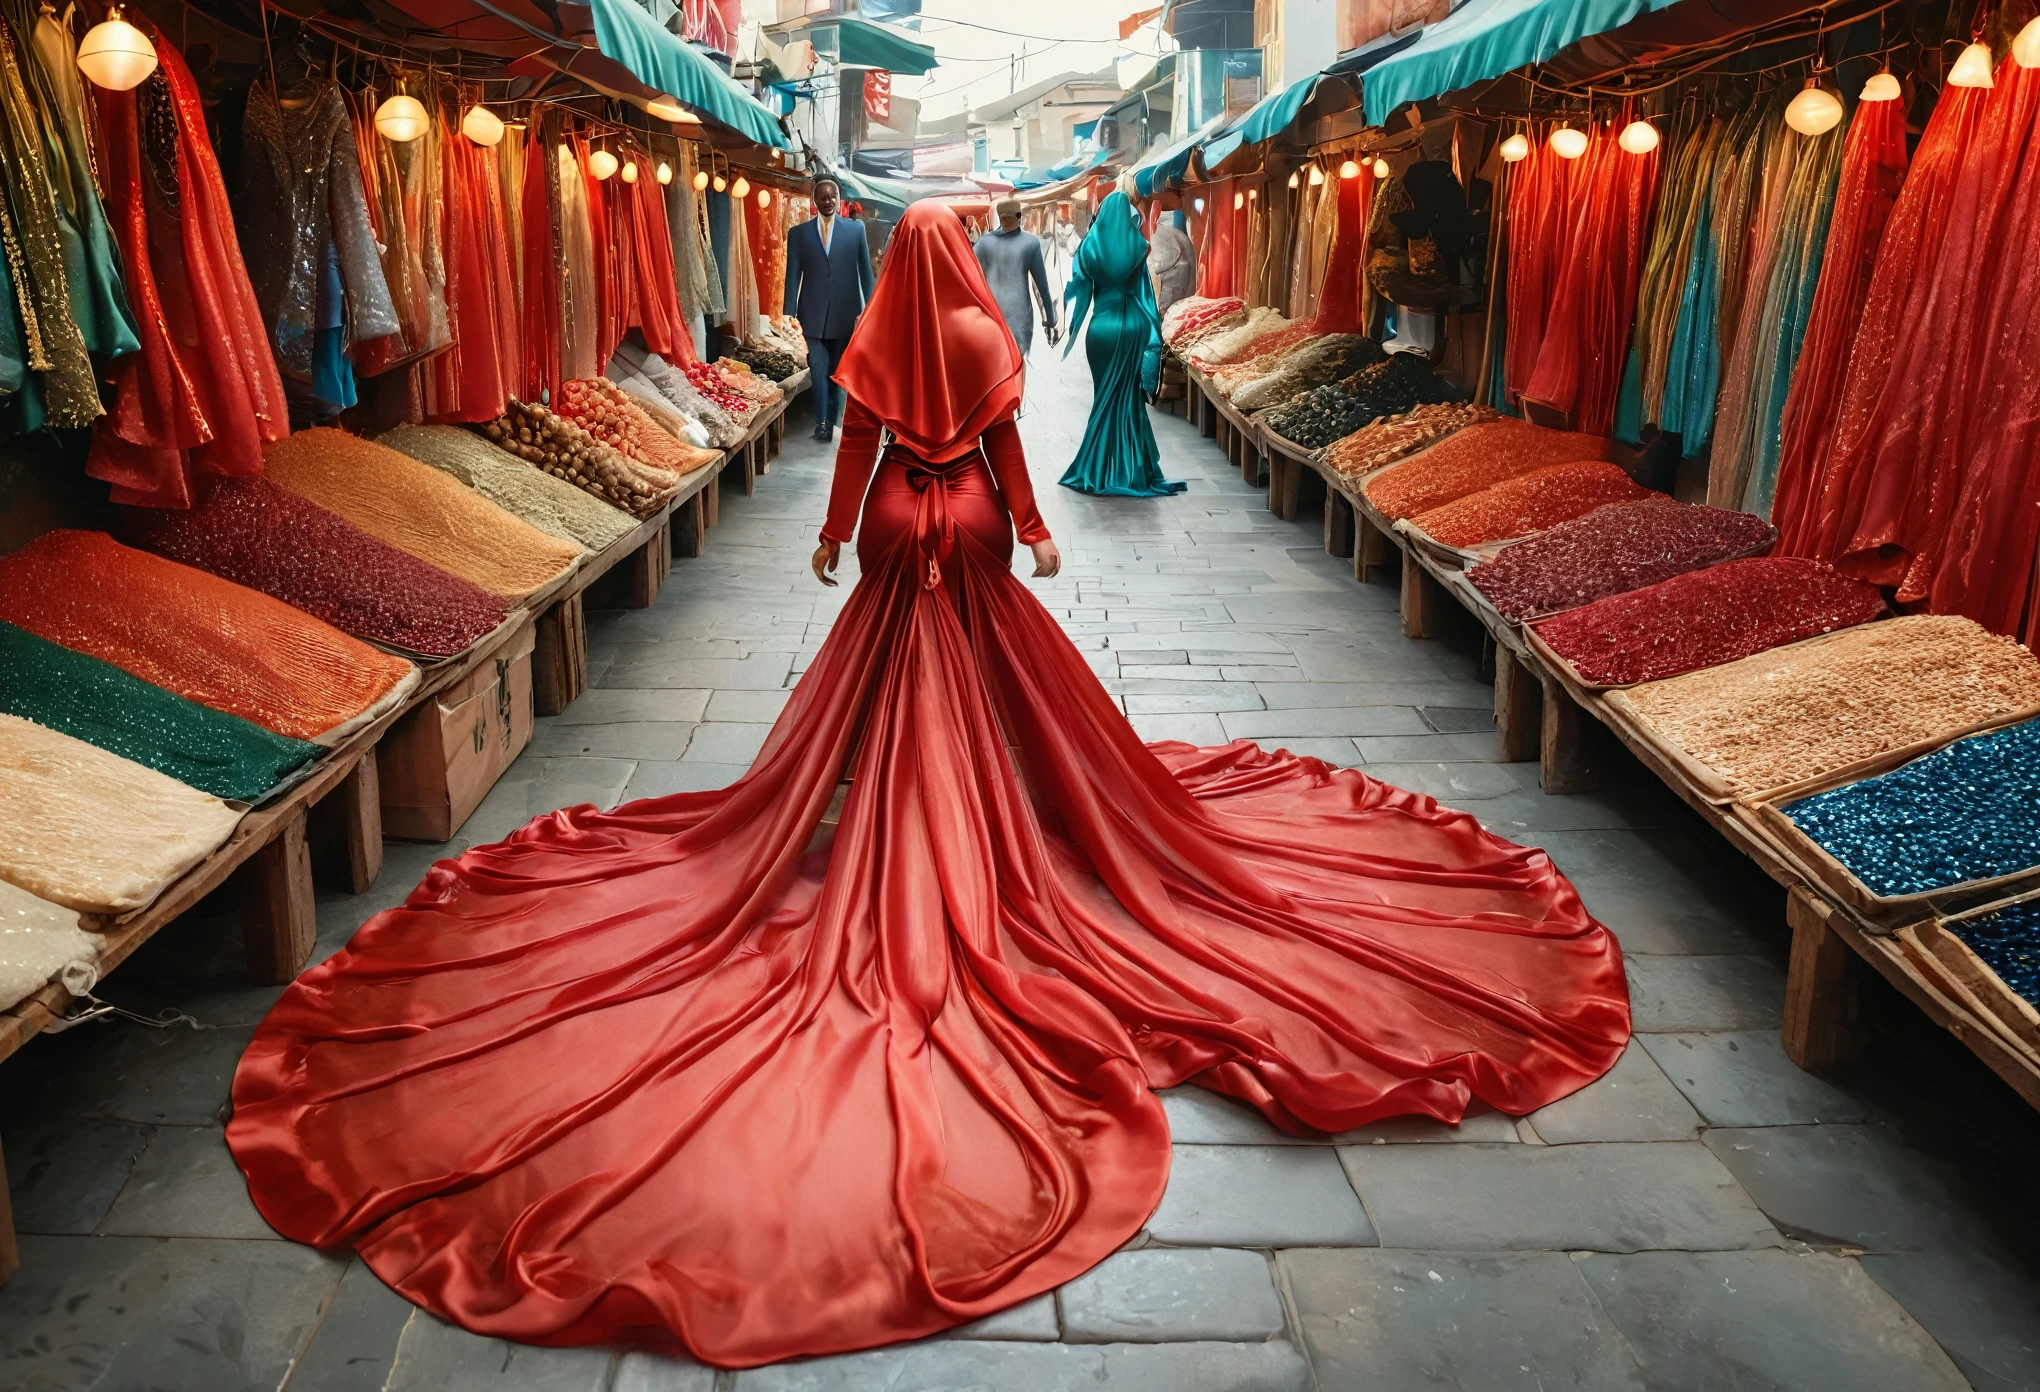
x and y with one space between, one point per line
715 1072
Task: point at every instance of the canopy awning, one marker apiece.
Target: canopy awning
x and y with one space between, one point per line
1171 161
1486 38
861 44
662 61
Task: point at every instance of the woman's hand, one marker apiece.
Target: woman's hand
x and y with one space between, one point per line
826 556
1047 560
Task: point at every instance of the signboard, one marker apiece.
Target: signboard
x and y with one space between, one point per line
878 94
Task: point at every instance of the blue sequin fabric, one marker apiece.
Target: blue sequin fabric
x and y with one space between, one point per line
2008 941
1962 813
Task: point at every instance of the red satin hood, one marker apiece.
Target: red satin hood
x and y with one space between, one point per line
931 357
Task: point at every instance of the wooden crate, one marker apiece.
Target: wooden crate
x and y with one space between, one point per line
438 763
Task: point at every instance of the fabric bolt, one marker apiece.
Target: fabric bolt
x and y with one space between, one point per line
1613 549
1118 455
95 701
201 637
1528 503
673 383
552 505
1802 711
1706 618
1472 459
258 535
93 832
418 509
41 942
1961 813
1262 357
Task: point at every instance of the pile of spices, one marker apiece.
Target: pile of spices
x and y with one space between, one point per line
774 363
1611 550
553 505
1958 814
2008 941
1809 709
1529 503
1385 441
1707 617
1477 457
255 534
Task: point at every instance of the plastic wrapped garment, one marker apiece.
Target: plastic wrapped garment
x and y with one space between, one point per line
92 831
631 361
416 508
99 703
204 638
552 505
258 535
41 942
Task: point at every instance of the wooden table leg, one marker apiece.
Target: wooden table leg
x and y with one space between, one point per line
1372 549
750 462
690 522
1820 988
711 500
279 919
345 830
10 1251
1208 417
1565 753
1339 519
559 659
644 571
1424 601
1282 487
1519 708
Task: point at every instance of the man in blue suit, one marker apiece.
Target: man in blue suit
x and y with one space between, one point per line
828 281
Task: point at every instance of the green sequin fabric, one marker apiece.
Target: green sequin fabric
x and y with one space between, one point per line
97 702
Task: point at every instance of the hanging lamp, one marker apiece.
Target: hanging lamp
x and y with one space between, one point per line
720 183
1815 111
664 173
741 188
1568 143
1295 177
629 171
764 197
481 125
1317 175
1381 170
1972 69
1239 200
116 55
1252 194
1881 88
1638 137
601 164
1198 204
1349 170
700 180
1516 147
2026 47
402 118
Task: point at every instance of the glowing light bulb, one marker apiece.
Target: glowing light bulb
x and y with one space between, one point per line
1239 200
1516 147
1317 175
116 55
1883 87
2026 47
1815 111
720 183
1252 194
700 180
481 125
1349 170
1972 69
741 188
664 173
1295 177
1638 137
764 198
1568 143
602 164
630 171
402 119
1381 170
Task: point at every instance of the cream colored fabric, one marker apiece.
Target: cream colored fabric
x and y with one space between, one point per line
92 831
552 505
40 942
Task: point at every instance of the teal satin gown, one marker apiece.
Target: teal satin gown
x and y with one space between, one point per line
1109 282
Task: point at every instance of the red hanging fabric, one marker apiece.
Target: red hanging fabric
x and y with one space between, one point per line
1873 170
1539 188
658 294
1342 302
470 383
1215 269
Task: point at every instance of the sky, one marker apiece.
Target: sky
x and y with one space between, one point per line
984 46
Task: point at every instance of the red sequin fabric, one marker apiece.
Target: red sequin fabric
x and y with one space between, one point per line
1611 550
261 536
1529 503
1477 457
1705 618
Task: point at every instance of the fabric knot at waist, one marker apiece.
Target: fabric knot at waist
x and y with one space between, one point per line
934 527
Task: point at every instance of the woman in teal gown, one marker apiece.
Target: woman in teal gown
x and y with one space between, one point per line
1109 282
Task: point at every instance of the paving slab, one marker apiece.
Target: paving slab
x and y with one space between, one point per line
62 1176
727 742
1465 786
1656 890
355 1344
186 1184
1196 728
656 779
1633 1101
1765 1320
631 739
651 1372
618 705
1982 1310
433 1356
1607 1197
1259 1196
1679 994
1452 748
1172 1294
750 706
1403 1321
1194 696
531 787
1743 1078
1333 721
1859 1186
1032 1320
122 1071
956 1365
643 665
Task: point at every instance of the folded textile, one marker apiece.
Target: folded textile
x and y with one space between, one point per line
552 505
41 942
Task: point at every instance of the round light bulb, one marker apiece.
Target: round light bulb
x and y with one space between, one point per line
1349 170
1972 69
2026 47
1317 175
630 171
1638 137
1239 200
602 164
401 118
1381 170
664 173
1295 177
1516 147
116 55
700 180
1882 87
720 183
1568 143
741 188
764 198
1815 111
1198 204
481 125
1252 194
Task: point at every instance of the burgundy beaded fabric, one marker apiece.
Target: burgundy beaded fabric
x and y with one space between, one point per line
1611 550
1705 618
257 534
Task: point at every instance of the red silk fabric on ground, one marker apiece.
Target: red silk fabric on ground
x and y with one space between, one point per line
705 1072
1873 170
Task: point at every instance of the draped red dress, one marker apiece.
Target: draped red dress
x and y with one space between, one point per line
713 1071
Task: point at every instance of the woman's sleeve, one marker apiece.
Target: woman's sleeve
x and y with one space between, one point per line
856 457
1009 470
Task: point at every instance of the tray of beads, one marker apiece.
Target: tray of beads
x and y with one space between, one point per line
1899 687
1458 557
1987 959
1909 830
1287 445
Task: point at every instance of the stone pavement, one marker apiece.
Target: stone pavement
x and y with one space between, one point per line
1705 1217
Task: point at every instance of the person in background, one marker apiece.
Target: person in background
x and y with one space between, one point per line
1011 261
828 281
1172 261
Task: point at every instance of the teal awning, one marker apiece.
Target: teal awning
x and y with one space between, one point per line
1171 161
862 44
1486 38
663 62
1270 116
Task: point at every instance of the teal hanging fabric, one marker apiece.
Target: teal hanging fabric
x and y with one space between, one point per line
1693 370
1109 285
1629 400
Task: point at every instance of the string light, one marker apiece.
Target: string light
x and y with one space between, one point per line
741 188
1295 177
602 164
630 171
1252 194
402 119
1568 143
1972 69
1198 204
116 55
1516 147
482 125
1882 87
1638 137
1317 175
1349 170
2026 47
764 197
700 180
1239 201
1815 111
664 173
720 183
1381 170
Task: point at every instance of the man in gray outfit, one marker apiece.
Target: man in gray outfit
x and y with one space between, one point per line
1010 259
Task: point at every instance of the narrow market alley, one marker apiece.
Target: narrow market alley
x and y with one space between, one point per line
1705 1216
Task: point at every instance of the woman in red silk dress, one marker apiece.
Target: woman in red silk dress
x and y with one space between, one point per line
712 1072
